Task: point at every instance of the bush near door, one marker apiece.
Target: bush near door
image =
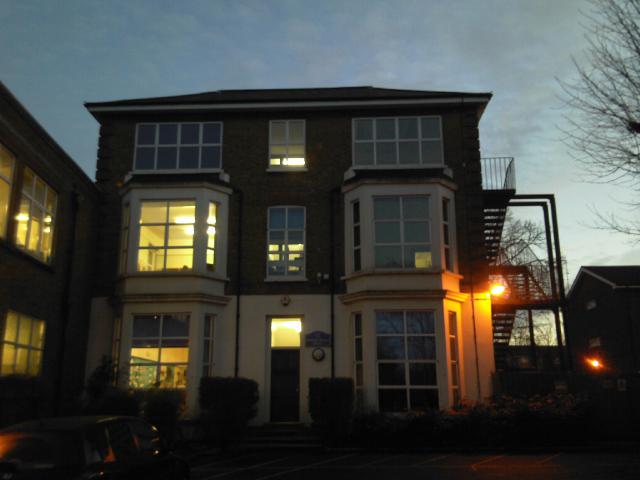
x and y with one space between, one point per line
331 407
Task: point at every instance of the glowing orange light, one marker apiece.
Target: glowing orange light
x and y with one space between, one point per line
497 290
594 363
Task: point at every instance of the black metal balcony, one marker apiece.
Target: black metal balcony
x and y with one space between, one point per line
498 174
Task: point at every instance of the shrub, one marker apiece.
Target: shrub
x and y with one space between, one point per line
162 409
379 430
20 399
228 404
331 407
101 379
115 401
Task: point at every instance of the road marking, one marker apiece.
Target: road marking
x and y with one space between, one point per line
486 460
433 459
297 469
546 459
244 469
217 462
379 460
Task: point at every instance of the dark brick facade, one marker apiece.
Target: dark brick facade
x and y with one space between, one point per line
58 293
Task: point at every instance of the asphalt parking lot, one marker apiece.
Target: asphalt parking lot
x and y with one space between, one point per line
373 466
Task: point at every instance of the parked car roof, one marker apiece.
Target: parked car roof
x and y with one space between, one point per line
63 423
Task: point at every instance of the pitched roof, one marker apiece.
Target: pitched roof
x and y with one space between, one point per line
362 93
627 276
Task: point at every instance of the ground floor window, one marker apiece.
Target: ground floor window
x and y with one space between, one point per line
207 350
406 354
455 363
358 363
159 351
22 345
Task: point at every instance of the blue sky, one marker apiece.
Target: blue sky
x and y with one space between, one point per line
54 55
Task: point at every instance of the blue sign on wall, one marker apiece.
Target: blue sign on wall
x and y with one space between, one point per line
317 339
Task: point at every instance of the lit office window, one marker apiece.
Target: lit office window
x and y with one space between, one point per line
22 345
211 236
7 166
286 144
285 250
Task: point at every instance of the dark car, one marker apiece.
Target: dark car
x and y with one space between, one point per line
75 448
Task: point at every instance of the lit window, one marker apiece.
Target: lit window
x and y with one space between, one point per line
357 251
286 144
406 351
22 345
446 234
401 225
166 235
285 332
7 163
207 352
159 351
36 216
124 239
178 146
285 250
453 352
357 360
402 141
211 236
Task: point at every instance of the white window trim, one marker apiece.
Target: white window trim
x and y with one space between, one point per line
287 168
397 141
156 144
287 277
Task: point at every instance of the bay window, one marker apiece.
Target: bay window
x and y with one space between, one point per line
406 361
357 250
358 373
22 345
286 242
7 165
159 353
446 234
402 232
286 144
207 351
211 236
454 356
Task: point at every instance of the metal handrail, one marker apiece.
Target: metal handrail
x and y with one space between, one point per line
498 173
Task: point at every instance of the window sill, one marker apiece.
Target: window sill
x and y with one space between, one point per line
285 279
287 169
407 166
165 274
27 256
393 271
176 170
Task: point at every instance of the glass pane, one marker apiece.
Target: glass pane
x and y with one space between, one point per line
35 361
211 133
37 334
205 351
22 360
39 191
146 326
52 201
389 322
153 212
190 133
385 129
363 154
24 330
189 157
364 129
386 208
420 322
146 134
358 352
182 212
391 374
295 219
430 127
151 260
8 359
277 217
22 219
142 376
357 260
356 236
356 212
278 132
174 355
152 236
174 342
424 399
175 326
4 206
276 237
357 320
445 231
445 210
211 259
416 232
421 348
391 348
6 163
409 153
296 132
27 181
387 232
210 157
168 134
180 235
422 374
386 153
167 158
392 400
295 152
35 229
145 354
173 376
408 128
454 374
388 257
432 153
11 327
208 324
285 332
415 207
179 259
417 256
213 208
145 158
359 374
276 268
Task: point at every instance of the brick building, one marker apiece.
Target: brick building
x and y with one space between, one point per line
47 207
286 234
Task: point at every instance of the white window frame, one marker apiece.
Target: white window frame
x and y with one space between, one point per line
177 145
447 236
288 168
17 345
402 244
9 181
301 276
407 387
397 140
454 357
356 248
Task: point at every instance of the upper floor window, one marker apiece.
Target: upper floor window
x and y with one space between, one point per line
36 216
286 144
397 141
166 235
446 234
22 345
211 236
357 250
124 238
285 252
7 165
401 230
178 146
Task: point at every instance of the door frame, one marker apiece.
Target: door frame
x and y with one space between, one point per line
267 362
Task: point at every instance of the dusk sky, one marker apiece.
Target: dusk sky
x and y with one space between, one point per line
55 55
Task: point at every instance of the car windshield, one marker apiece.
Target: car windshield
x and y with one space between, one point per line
40 449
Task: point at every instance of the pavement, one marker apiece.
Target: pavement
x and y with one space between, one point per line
441 466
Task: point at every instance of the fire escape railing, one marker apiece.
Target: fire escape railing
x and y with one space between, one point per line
498 173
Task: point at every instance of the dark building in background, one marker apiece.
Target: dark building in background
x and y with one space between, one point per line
47 215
